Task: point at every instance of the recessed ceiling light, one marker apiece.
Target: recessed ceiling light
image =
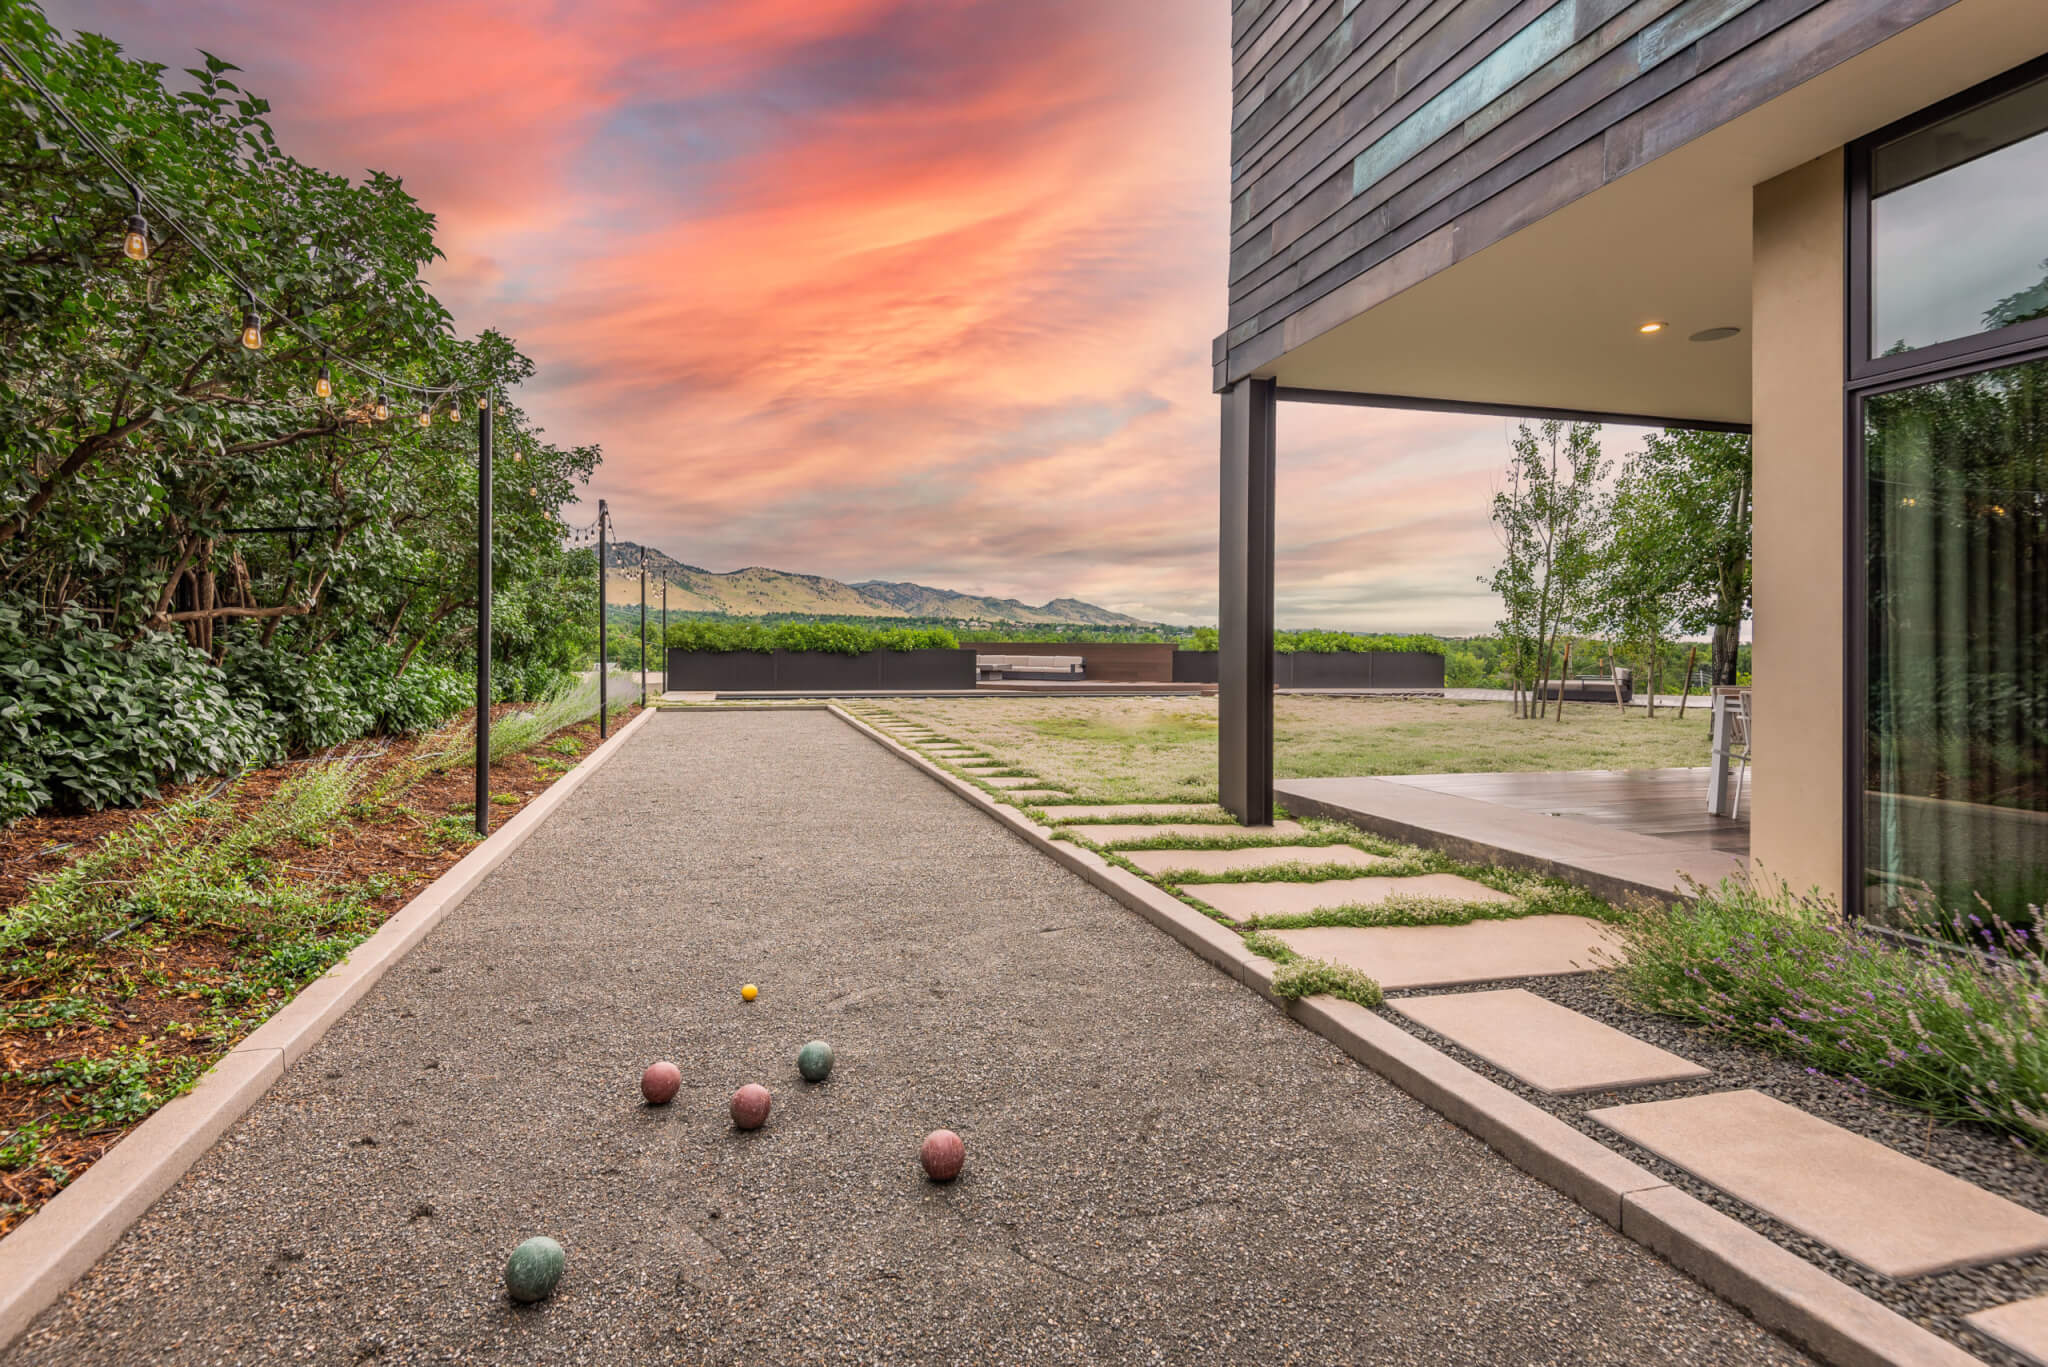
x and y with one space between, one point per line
1715 334
1651 327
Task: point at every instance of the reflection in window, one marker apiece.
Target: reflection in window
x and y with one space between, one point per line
1959 225
1957 759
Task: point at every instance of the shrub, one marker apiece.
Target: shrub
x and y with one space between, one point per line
836 638
316 701
1961 1034
89 723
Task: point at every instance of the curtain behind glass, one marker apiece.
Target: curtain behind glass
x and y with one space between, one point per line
1957 761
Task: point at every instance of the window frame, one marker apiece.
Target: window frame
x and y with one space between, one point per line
1866 377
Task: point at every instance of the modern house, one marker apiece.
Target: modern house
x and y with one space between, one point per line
1823 221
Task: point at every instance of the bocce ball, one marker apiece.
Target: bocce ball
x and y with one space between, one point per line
750 1106
814 1061
749 992
660 1083
533 1270
942 1154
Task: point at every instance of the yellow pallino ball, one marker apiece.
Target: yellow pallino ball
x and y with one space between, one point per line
749 992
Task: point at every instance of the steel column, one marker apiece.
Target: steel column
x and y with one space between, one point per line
483 619
603 661
1244 702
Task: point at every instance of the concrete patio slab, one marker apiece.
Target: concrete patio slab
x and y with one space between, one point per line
1612 861
1892 1214
1402 957
1136 811
1242 901
2021 1326
1134 834
1263 857
1550 1047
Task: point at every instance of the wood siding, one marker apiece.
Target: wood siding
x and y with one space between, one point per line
1363 130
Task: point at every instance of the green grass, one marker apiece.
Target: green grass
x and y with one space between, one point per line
1164 749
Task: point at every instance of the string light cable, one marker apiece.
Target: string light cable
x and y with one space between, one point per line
136 246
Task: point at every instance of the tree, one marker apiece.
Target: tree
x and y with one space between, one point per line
1549 517
160 476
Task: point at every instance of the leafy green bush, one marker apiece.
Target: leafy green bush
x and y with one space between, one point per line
1325 642
88 723
834 638
315 701
1342 642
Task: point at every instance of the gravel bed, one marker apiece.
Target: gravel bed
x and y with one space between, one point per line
1161 1168
1975 1154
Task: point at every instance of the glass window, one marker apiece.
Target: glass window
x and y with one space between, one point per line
1959 225
1956 764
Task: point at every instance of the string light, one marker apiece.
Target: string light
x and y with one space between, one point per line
483 401
135 243
383 407
324 386
427 416
252 325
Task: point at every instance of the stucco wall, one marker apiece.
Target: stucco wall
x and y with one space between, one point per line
1796 351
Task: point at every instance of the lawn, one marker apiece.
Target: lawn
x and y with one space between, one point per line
1164 749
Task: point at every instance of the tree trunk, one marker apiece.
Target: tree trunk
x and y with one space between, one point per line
1685 694
1613 675
1650 703
1564 672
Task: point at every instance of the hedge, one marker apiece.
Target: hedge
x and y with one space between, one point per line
832 638
1328 642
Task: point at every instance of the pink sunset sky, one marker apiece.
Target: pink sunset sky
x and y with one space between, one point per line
874 289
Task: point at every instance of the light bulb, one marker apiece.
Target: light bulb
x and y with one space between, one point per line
383 408
324 386
135 243
252 326
426 417
483 401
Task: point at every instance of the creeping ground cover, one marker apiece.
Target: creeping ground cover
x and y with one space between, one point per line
138 946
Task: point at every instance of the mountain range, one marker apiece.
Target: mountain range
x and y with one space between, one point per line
758 592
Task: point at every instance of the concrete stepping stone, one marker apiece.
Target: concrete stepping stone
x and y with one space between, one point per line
1875 1206
1261 857
1402 957
2021 1326
1134 811
1242 901
1034 796
1550 1047
1114 834
1011 782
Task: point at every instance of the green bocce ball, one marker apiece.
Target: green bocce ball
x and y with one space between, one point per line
814 1061
533 1270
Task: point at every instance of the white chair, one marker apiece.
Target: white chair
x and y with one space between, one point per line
1738 745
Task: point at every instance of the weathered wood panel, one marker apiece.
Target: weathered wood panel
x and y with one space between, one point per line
1363 128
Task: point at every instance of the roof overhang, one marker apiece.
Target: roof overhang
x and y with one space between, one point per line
1550 315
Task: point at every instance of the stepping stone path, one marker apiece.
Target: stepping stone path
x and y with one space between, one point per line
1137 811
1875 1206
2021 1326
1012 782
1550 1047
1401 957
1243 901
1034 795
1261 857
1112 834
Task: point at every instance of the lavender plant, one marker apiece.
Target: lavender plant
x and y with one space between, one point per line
1961 1035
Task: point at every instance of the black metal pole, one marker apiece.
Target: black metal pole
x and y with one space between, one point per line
483 619
603 696
664 633
643 626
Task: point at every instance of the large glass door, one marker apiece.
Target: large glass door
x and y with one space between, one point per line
1948 385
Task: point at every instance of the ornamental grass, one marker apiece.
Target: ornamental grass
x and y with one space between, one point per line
1960 1033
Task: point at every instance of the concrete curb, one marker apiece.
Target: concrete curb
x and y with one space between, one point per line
1778 1289
75 1228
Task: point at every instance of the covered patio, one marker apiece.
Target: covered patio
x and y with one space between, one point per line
1624 834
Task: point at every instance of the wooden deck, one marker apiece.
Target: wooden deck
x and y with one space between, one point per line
1670 804
1624 834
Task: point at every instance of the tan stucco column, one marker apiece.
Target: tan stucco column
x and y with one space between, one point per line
1796 344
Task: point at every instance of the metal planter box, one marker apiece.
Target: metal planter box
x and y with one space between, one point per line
1343 669
753 671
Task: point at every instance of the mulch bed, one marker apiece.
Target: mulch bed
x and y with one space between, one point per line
163 972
